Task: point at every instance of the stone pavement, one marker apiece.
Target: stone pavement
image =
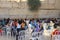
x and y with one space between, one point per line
13 38
6 38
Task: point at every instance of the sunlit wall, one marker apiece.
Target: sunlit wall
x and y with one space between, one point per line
19 8
17 0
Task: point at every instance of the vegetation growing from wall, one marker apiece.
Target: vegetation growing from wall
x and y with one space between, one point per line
34 5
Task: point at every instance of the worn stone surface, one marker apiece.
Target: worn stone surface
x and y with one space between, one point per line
15 9
6 38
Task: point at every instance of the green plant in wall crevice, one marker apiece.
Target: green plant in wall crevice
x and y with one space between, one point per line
34 5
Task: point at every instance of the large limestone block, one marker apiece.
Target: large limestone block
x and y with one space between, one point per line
51 1
44 6
5 4
57 4
43 14
4 13
48 14
47 4
15 4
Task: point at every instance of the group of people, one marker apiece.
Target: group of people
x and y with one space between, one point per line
14 26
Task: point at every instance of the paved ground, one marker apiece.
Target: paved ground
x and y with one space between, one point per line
6 38
13 38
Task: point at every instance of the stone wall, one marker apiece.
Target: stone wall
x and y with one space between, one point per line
48 9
